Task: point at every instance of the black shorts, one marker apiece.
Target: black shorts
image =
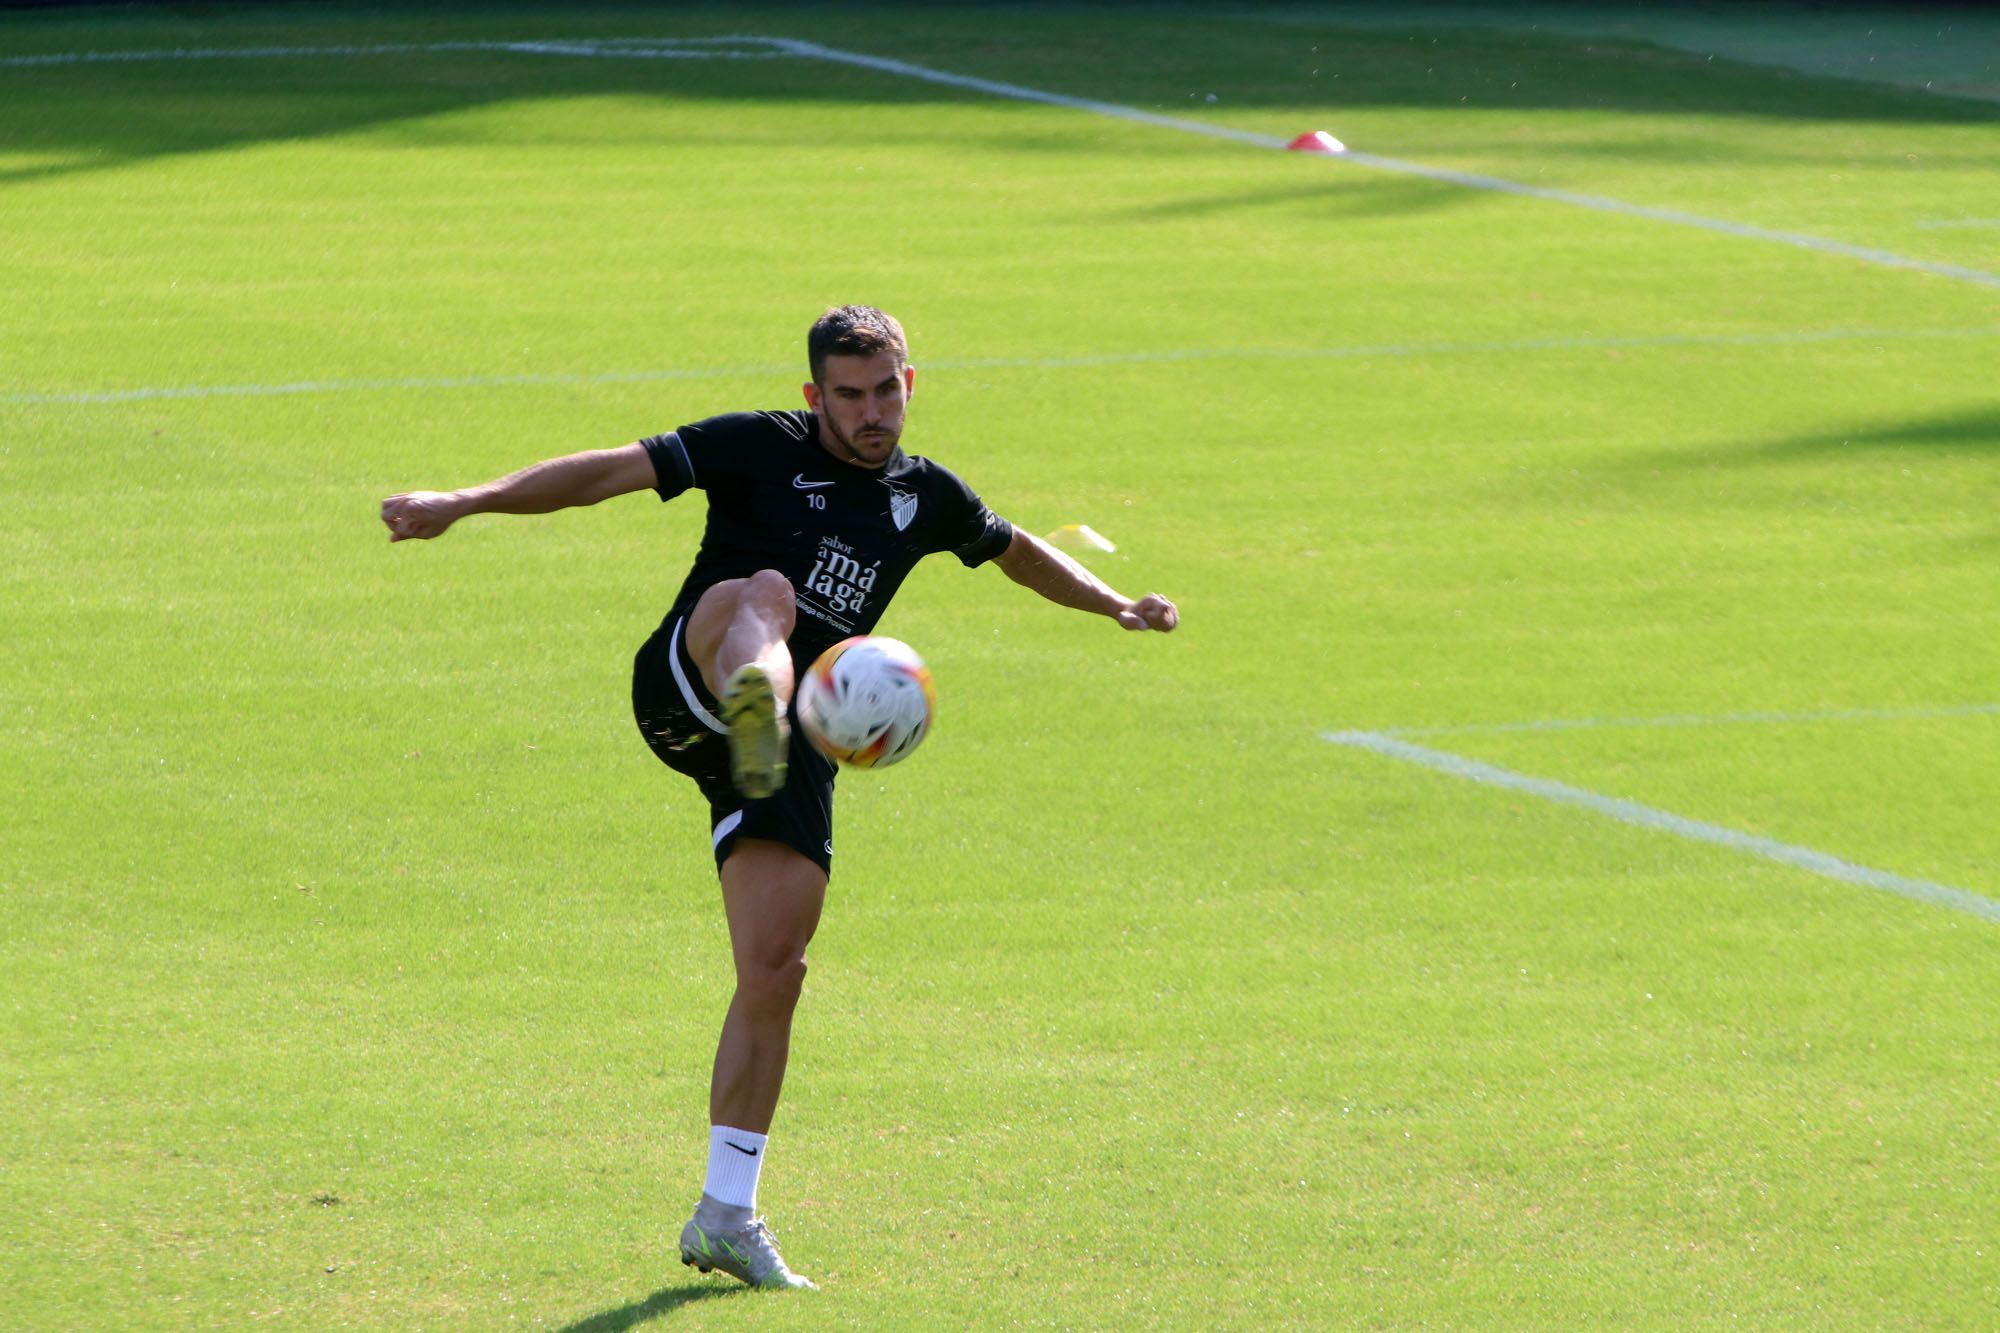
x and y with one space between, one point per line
677 716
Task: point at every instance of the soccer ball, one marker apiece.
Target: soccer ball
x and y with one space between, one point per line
866 702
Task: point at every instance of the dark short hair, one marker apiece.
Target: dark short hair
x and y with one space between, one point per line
853 330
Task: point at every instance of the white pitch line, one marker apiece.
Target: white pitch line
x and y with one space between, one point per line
1024 94
664 48
1645 816
1702 720
1823 245
1358 352
1467 179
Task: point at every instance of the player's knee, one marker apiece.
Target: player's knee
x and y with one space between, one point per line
771 592
772 988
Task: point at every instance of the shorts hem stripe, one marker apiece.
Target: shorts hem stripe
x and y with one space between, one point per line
707 718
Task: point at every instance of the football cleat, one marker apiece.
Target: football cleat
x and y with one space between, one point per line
759 736
750 1253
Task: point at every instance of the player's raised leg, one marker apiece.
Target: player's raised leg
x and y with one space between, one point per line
736 635
772 896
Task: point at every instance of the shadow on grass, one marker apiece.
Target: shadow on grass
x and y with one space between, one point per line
662 1302
1960 431
1348 195
88 117
1973 431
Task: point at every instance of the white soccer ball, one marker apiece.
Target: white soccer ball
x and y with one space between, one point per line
866 702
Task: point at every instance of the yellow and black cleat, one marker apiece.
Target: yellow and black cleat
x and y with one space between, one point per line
759 736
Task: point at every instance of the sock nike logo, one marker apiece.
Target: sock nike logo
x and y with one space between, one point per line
747 1152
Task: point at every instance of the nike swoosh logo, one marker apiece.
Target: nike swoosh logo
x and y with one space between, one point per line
801 483
747 1152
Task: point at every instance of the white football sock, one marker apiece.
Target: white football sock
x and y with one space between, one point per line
735 1159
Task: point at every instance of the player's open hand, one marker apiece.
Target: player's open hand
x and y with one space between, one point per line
418 514
1150 612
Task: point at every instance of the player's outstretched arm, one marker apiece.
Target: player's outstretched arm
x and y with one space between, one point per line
1040 567
555 483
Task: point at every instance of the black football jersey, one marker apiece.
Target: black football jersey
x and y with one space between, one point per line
846 536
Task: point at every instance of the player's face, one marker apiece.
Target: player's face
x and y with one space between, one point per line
860 401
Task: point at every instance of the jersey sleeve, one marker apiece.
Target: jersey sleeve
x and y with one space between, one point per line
715 453
670 463
966 527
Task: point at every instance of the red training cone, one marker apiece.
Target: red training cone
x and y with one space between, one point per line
1319 141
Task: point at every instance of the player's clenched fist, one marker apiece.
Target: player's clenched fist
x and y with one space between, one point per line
1150 612
418 514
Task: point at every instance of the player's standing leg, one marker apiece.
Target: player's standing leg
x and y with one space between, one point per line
773 896
736 634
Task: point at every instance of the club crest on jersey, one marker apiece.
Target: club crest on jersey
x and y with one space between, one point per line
902 507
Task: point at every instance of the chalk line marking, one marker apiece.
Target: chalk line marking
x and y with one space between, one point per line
1168 356
751 47
1707 720
1645 816
642 48
1469 180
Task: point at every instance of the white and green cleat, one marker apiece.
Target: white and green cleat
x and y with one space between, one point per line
749 1252
759 736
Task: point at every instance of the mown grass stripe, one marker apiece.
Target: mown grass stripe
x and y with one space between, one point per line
1703 720
1360 351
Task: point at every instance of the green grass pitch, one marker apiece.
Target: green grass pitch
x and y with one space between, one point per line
360 968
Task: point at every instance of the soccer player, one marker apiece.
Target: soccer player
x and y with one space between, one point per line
814 519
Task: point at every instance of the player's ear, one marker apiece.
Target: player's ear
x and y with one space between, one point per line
812 394
909 381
